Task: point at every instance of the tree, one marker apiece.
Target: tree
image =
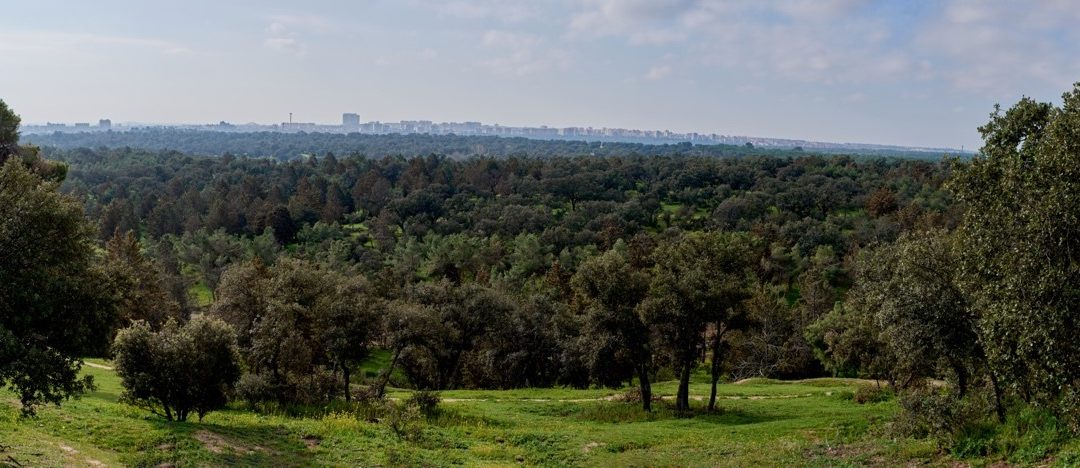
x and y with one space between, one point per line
298 323
180 369
699 280
9 131
407 324
881 202
609 290
1020 261
910 288
142 293
465 315
347 323
56 304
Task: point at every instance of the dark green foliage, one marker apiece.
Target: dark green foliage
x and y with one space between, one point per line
614 337
298 324
699 281
909 296
9 131
56 303
426 401
180 369
139 282
1021 258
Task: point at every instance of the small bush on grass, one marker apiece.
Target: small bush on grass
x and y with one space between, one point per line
426 401
404 420
872 394
968 427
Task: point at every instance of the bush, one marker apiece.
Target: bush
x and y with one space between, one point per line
872 394
404 420
179 369
968 427
927 411
426 401
255 388
316 388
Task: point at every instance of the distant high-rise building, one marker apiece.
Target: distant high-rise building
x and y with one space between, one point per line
350 120
104 124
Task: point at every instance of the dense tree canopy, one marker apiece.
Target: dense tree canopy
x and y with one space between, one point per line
56 302
1020 256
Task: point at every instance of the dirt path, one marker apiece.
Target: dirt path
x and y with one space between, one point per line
617 398
96 366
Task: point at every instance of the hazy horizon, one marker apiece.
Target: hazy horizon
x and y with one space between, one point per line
912 74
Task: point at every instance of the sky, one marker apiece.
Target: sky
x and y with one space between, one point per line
916 72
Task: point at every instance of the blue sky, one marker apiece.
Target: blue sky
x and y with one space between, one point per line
912 73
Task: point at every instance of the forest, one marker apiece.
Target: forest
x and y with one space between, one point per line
270 271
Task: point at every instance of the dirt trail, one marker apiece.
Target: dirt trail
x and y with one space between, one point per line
618 398
96 366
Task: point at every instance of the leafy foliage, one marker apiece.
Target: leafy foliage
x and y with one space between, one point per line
56 303
180 369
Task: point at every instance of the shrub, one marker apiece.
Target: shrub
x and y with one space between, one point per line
426 401
255 388
872 394
927 411
180 369
404 420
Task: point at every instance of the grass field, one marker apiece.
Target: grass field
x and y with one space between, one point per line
761 423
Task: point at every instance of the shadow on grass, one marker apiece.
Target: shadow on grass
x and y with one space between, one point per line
234 444
615 412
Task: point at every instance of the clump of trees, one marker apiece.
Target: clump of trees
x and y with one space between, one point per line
180 369
990 306
299 326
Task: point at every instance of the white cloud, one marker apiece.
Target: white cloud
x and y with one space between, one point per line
427 54
658 72
284 33
854 98
1002 48
521 54
978 46
507 11
64 42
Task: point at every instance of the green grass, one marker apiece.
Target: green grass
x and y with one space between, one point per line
202 295
761 422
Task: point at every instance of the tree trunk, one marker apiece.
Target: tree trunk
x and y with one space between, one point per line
715 368
961 378
997 397
381 389
682 399
715 371
645 386
346 376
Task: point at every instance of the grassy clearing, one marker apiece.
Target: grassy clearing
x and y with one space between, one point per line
201 295
762 422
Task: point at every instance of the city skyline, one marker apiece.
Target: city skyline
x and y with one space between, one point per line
351 123
905 73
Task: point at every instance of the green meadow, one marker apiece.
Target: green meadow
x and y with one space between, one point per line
760 422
